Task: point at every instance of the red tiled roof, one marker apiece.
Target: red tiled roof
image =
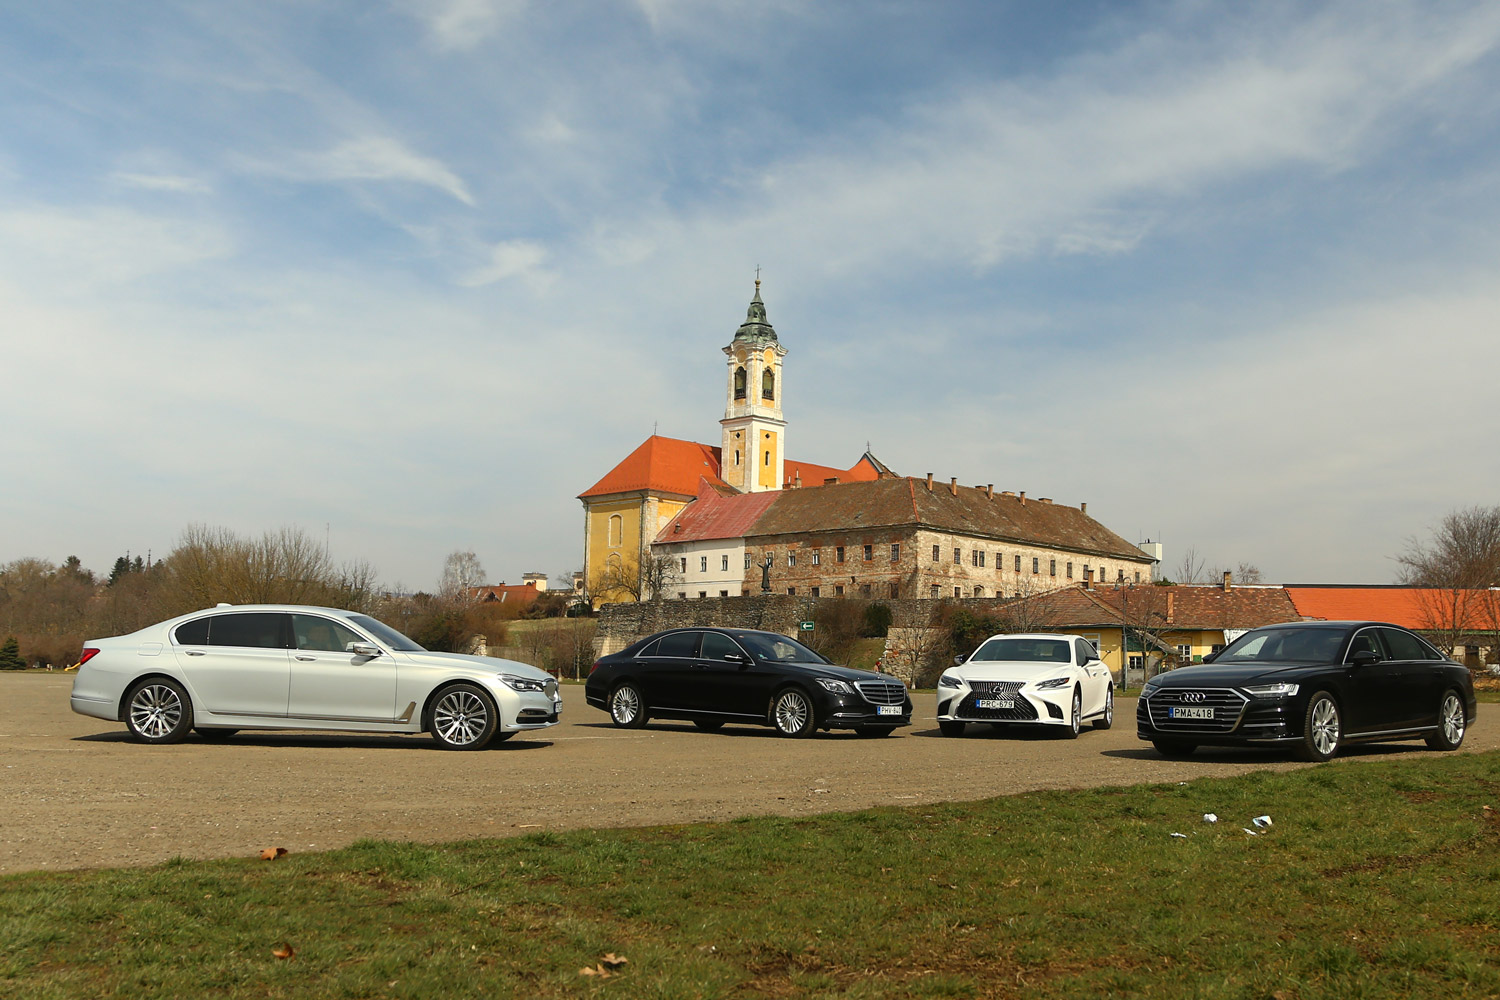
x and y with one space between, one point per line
713 515
1207 607
1411 607
668 465
514 593
816 475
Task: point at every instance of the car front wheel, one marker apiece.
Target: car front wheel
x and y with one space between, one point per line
1075 720
464 718
1451 724
158 711
627 709
1321 729
1108 718
792 714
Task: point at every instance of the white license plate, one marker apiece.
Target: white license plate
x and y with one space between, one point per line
996 703
887 709
557 705
1180 712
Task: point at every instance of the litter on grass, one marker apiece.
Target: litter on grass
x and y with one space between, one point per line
1261 822
1210 818
1182 835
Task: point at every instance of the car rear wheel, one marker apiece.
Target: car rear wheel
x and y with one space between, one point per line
1174 748
158 711
1451 724
1108 718
951 728
792 714
1322 729
709 725
464 717
627 709
1075 720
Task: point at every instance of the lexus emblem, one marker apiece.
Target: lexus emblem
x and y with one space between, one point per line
1193 696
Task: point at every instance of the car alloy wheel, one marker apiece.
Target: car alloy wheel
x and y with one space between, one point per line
158 711
792 714
1075 722
463 718
1321 728
627 709
1451 724
1108 718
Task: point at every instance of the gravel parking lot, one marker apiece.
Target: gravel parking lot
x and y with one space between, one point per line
78 794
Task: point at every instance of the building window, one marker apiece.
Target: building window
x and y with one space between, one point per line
791 558
1185 653
838 553
1137 575
1137 661
1051 567
682 595
1219 647
817 591
723 593
747 560
684 564
958 591
935 555
817 557
791 591
616 530
739 383
724 565
895 589
978 591
703 564
1018 564
978 558
768 459
768 384
838 591
958 557
1070 569
864 590
869 553
895 552
736 457
702 594
1036 564
934 590
999 561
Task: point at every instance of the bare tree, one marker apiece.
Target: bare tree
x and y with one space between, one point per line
285 566
462 574
659 574
1030 610
619 579
1190 570
1463 553
917 650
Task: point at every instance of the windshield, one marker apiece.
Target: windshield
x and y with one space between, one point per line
1026 650
778 649
1285 645
386 634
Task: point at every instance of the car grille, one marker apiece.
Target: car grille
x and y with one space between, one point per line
882 692
1022 712
1228 706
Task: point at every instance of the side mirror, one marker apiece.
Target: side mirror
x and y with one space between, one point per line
363 649
958 661
1210 657
1364 657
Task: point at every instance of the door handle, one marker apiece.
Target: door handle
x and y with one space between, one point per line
195 652
301 657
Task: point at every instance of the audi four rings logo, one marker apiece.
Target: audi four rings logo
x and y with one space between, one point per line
1193 696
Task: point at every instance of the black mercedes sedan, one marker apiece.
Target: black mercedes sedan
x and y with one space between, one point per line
711 676
1313 687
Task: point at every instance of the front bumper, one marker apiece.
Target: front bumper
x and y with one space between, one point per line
1251 721
1049 707
527 710
846 711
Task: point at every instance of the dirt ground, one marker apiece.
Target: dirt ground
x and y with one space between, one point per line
78 794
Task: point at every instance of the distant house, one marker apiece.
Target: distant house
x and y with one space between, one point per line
1463 623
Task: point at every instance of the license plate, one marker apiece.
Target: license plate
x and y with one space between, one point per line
996 703
888 709
1180 712
557 705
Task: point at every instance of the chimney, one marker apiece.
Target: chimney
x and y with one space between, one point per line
989 492
797 480
1083 508
929 482
1023 498
1044 499
1170 595
1226 581
953 486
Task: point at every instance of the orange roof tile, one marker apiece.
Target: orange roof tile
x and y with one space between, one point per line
714 516
1411 607
663 464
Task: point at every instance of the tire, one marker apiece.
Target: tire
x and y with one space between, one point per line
709 725
1175 749
1322 728
213 734
951 728
1075 721
1108 719
464 717
792 714
874 731
158 710
1452 724
627 708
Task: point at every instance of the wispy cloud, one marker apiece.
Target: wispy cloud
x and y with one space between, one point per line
463 24
521 259
369 158
163 182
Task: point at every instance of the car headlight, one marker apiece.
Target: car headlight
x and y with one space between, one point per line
517 683
835 685
1150 687
1280 689
950 681
1054 682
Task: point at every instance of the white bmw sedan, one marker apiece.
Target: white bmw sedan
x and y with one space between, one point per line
290 667
1054 680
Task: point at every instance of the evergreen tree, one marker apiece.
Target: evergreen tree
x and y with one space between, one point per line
10 655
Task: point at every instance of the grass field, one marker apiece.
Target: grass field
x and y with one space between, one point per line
1378 879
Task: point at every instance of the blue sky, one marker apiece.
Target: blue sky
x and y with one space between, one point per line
418 272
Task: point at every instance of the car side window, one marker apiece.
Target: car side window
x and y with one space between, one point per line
1430 650
193 633
649 649
1403 645
1366 641
323 634
1085 651
258 629
717 647
679 644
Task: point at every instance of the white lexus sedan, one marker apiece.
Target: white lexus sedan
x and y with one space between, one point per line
1055 680
290 667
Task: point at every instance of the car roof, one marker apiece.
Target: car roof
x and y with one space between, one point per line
1322 623
295 608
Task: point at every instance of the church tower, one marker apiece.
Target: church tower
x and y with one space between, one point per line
754 449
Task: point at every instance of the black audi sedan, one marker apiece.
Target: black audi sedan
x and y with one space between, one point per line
711 676
1313 687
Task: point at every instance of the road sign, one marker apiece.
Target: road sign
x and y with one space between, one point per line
807 626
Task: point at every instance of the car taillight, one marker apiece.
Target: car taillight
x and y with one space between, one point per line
594 667
88 654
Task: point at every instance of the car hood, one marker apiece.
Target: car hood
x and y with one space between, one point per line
1223 675
850 674
491 664
1009 670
